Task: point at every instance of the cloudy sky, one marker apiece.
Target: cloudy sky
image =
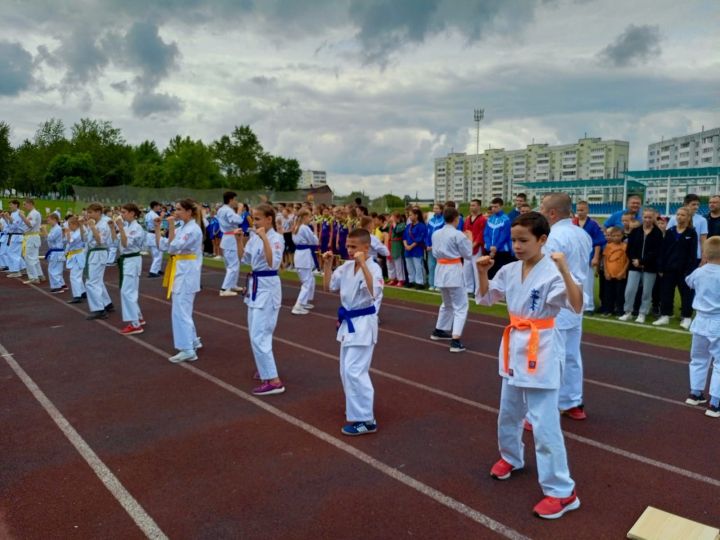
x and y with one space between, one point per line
369 90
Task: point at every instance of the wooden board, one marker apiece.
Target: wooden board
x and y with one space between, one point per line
655 524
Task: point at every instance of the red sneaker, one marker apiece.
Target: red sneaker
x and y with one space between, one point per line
130 330
554 508
502 470
576 413
400 284
392 283
527 426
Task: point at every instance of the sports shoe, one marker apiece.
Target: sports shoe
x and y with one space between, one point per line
439 335
392 283
640 319
625 317
110 308
57 291
359 428
713 411
14 274
696 399
42 279
31 281
153 275
400 283
299 310
130 330
456 346
217 257
227 292
268 389
183 356
197 344
554 508
142 322
308 306
662 321
75 300
239 290
575 413
502 470
102 314
686 322
256 376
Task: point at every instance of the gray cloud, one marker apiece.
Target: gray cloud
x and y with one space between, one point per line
145 50
82 56
121 86
16 68
636 45
147 103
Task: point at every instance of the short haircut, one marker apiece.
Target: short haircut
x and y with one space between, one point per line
228 196
365 221
153 204
478 201
73 220
361 235
497 200
29 201
634 196
132 207
524 205
535 222
15 202
560 202
450 214
689 198
582 202
54 217
650 209
449 204
711 248
523 196
629 213
95 207
613 230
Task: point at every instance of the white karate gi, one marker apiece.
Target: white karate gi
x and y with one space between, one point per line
229 220
75 262
576 245
132 268
112 244
449 243
32 245
4 238
56 259
356 348
377 248
97 294
155 253
16 229
305 264
705 329
263 310
532 394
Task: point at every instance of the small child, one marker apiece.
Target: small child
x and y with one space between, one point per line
97 239
131 240
535 287
111 216
360 283
305 261
705 329
55 255
396 266
615 264
75 259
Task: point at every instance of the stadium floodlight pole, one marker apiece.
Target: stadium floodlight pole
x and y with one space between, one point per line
479 115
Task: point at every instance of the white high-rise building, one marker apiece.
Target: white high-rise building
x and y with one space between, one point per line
690 151
312 179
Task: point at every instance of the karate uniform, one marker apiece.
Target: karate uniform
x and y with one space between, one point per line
527 390
131 262
75 262
31 246
264 308
155 253
305 263
229 220
113 243
705 330
4 238
576 245
56 257
356 348
16 230
448 245
476 225
377 248
97 256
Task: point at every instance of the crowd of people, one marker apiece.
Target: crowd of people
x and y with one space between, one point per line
543 264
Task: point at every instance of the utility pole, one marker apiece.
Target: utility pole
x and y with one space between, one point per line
479 115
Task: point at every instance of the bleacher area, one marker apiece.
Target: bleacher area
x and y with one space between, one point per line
605 209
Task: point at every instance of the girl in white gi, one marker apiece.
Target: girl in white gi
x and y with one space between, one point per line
229 220
449 248
705 328
31 242
55 255
75 259
182 275
305 261
535 287
263 252
97 238
360 282
131 241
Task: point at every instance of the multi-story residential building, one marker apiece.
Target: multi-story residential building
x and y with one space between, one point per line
493 173
690 151
312 179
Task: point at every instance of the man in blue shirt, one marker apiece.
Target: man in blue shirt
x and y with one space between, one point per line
435 223
497 236
634 203
520 199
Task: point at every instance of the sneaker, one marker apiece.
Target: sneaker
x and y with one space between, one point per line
240 290
456 346
696 399
142 322
130 330
502 470
153 275
75 300
662 321
713 411
308 306
31 281
527 426
686 322
268 389
575 413
392 283
227 292
439 335
110 308
640 319
102 314
14 274
554 508
589 313
197 344
359 428
400 284
183 356
299 310
57 291
625 317
218 257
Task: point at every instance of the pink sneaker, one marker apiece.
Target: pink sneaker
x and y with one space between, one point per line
268 389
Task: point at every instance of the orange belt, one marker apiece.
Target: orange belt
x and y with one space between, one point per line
449 261
534 325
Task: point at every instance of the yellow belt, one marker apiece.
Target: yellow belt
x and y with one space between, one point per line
73 253
169 277
24 241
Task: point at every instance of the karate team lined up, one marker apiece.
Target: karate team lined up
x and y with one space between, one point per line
540 361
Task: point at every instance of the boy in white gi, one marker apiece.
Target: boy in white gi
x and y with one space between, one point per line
229 220
535 288
97 238
155 253
705 329
263 252
305 261
114 239
132 238
31 242
55 255
450 247
360 282
182 275
75 259
15 229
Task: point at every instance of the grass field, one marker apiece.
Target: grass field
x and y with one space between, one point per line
43 205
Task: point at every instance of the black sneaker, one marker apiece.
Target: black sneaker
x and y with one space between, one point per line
153 274
713 411
83 295
110 308
439 335
75 300
696 399
456 346
102 314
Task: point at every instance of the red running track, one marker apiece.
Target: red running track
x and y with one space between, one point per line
186 451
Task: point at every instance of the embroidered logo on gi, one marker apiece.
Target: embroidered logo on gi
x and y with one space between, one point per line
534 297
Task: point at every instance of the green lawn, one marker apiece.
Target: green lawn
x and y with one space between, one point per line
43 204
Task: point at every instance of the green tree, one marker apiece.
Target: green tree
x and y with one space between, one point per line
147 165
238 155
6 154
105 143
67 169
191 164
28 175
278 173
393 201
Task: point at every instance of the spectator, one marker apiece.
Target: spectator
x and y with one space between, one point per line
713 217
634 202
497 237
520 200
597 235
699 223
616 267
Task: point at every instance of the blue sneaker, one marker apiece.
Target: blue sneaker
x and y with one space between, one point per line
359 428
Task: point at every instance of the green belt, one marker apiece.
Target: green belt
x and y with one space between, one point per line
121 264
87 259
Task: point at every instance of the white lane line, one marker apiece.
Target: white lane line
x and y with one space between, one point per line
138 514
376 464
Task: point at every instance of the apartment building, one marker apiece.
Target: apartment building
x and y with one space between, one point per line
312 179
690 151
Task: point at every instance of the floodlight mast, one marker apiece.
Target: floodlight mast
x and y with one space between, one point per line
479 115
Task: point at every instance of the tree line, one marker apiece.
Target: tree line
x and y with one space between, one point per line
96 154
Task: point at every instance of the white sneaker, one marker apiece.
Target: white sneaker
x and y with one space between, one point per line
662 321
299 310
218 257
238 289
31 281
14 274
686 322
640 319
197 344
308 306
625 317
183 356
227 292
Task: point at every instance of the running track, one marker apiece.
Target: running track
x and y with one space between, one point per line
102 437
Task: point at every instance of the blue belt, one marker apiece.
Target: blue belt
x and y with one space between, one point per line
313 251
54 250
348 315
256 274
